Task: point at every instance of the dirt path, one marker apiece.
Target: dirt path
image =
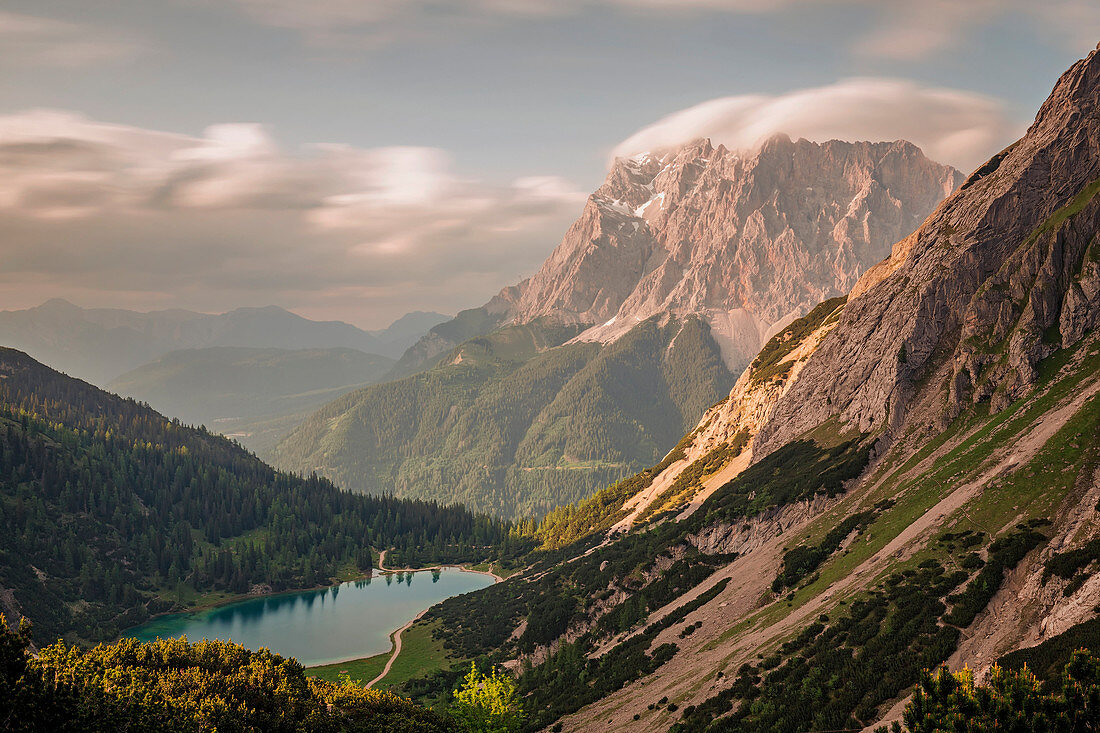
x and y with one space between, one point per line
1021 452
396 636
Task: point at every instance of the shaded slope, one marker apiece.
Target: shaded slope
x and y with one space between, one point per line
252 395
110 512
99 344
511 423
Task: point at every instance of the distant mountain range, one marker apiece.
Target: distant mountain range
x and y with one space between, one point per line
251 373
680 266
100 344
250 394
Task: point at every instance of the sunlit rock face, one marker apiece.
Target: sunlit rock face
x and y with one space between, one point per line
749 240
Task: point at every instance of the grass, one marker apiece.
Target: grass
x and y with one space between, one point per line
769 363
359 670
1031 491
494 567
421 654
1037 489
1073 208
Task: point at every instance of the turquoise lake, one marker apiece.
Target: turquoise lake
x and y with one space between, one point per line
346 621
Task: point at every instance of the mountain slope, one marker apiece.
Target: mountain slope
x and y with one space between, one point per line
395 338
744 239
514 422
110 512
922 487
252 395
99 344
740 243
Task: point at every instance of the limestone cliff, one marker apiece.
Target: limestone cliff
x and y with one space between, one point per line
748 240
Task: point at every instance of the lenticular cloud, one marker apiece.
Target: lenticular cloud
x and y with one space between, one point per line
951 126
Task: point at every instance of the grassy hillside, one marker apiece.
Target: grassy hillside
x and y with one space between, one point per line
515 424
834 625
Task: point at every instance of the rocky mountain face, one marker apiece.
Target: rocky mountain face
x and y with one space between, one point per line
1003 274
902 479
738 244
748 240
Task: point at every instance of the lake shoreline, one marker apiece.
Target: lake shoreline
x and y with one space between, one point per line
244 597
464 568
395 635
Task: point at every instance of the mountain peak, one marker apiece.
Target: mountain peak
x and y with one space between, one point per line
59 305
744 239
1000 276
1076 91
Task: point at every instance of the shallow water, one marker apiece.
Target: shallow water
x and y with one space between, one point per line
346 621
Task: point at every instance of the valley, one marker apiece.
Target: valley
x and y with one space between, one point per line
320 627
795 430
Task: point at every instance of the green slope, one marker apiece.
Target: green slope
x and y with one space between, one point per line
518 422
110 512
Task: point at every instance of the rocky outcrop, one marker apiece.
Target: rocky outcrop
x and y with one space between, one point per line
748 240
760 387
1003 273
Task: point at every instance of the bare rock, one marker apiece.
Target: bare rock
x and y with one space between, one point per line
999 276
749 240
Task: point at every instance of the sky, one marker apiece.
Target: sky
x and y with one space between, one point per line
358 159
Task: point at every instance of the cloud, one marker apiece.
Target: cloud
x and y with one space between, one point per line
951 126
102 212
891 29
33 41
912 31
1074 21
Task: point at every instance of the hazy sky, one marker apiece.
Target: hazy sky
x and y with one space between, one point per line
356 159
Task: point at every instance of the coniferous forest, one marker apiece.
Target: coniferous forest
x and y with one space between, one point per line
111 512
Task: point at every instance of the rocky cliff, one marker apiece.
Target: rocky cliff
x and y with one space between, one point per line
748 240
1003 273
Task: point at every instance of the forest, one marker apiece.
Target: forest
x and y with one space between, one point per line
1012 700
172 686
111 512
520 421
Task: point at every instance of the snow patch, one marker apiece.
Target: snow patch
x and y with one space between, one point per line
640 211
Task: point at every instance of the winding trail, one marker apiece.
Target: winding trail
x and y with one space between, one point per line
396 636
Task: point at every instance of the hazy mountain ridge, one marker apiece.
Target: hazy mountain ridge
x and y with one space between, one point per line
922 487
100 344
250 394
